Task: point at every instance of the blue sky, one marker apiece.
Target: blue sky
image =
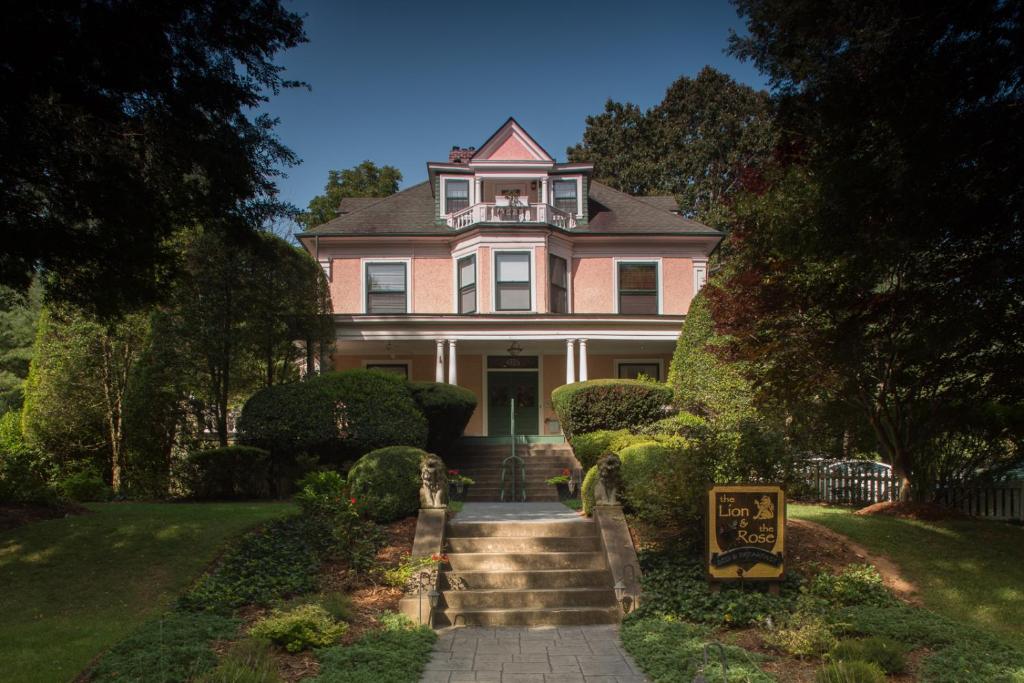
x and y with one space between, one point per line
399 83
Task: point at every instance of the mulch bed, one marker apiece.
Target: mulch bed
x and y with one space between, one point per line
926 512
14 515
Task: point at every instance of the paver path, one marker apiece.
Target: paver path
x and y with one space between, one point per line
546 654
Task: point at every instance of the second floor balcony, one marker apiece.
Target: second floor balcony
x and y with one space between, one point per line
515 211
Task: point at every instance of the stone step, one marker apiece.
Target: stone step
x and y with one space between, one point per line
547 560
560 616
490 479
523 544
531 497
526 580
581 527
527 599
495 489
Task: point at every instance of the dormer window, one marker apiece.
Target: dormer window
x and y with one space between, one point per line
456 195
565 196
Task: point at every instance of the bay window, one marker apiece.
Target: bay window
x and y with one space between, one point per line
467 284
559 285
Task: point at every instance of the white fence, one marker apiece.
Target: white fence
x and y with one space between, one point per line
997 501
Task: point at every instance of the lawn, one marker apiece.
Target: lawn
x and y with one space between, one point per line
970 571
75 586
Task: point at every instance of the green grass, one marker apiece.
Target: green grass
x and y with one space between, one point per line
75 586
968 570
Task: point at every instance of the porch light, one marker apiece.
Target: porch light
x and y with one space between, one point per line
434 597
515 349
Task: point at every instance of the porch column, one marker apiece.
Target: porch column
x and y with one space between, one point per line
570 362
544 191
478 190
439 363
583 360
453 377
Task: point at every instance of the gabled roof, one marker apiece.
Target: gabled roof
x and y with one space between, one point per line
663 202
411 212
511 143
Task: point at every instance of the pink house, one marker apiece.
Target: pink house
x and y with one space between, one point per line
510 274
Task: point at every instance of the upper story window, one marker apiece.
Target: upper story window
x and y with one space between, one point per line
565 196
467 284
638 288
456 195
512 281
386 287
559 285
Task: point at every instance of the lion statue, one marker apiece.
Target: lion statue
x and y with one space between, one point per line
433 483
609 480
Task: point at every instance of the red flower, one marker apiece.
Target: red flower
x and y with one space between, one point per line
352 501
453 472
565 472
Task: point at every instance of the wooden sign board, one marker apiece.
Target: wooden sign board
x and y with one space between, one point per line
746 533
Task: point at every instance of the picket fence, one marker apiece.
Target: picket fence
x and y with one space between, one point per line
998 501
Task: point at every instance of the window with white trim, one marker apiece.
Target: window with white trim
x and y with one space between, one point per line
633 370
512 281
564 194
638 288
386 288
467 284
456 195
559 284
401 369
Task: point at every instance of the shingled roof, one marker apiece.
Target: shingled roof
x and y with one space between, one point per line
411 212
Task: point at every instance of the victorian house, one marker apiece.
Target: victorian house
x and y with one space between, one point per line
510 274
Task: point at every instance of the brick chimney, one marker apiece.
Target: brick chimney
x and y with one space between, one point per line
460 155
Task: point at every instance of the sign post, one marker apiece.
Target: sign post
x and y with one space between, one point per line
746 534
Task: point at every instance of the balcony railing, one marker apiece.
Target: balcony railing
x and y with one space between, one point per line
511 213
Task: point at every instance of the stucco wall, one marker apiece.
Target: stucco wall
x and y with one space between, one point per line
346 285
432 285
592 285
483 280
678 286
471 377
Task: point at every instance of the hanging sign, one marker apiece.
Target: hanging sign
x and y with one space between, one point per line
746 532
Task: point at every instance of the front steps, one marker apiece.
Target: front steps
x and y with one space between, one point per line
537 573
482 463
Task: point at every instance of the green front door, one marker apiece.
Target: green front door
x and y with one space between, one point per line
502 387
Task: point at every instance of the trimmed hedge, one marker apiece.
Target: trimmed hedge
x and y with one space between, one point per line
229 472
447 407
665 482
386 483
609 404
587 491
335 417
589 447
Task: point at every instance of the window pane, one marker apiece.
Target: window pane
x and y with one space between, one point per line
638 304
558 271
456 195
385 302
513 267
513 297
565 195
393 368
386 277
559 300
642 276
467 300
467 271
632 370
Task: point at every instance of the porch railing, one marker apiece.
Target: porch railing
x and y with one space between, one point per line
485 212
513 468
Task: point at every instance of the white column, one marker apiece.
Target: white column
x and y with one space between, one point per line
570 362
453 377
583 360
478 190
544 199
439 368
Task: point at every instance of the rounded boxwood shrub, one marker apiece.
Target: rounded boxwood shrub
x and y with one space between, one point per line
229 472
589 447
665 482
447 407
587 491
609 404
386 483
680 424
336 417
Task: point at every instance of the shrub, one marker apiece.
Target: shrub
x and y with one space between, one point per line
448 408
178 645
338 605
324 500
298 629
856 584
322 494
386 483
84 485
665 483
681 424
24 474
335 417
888 654
587 490
590 446
609 404
397 653
229 472
802 635
248 661
851 672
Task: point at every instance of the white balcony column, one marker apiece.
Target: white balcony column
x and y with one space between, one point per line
439 363
570 361
478 190
544 191
583 360
453 377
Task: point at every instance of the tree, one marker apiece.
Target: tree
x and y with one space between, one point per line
121 122
881 262
18 314
697 144
365 180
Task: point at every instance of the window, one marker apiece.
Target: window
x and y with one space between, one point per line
456 195
467 284
559 285
512 281
401 369
633 369
565 196
638 288
386 288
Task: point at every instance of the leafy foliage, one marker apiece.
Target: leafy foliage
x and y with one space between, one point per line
888 654
299 628
365 180
25 475
230 472
802 634
248 661
84 485
175 647
609 404
323 497
447 407
18 314
589 446
665 484
681 424
856 584
587 490
386 482
395 654
851 672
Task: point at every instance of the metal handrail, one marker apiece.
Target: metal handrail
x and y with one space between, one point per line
508 465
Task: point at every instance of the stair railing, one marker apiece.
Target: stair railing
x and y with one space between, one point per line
513 468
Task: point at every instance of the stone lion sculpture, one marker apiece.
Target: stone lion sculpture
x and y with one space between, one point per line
609 480
433 483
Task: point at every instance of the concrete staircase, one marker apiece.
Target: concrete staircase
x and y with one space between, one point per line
483 464
538 573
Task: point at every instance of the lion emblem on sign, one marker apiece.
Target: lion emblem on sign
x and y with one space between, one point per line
765 508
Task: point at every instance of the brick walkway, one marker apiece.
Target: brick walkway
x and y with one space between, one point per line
574 654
